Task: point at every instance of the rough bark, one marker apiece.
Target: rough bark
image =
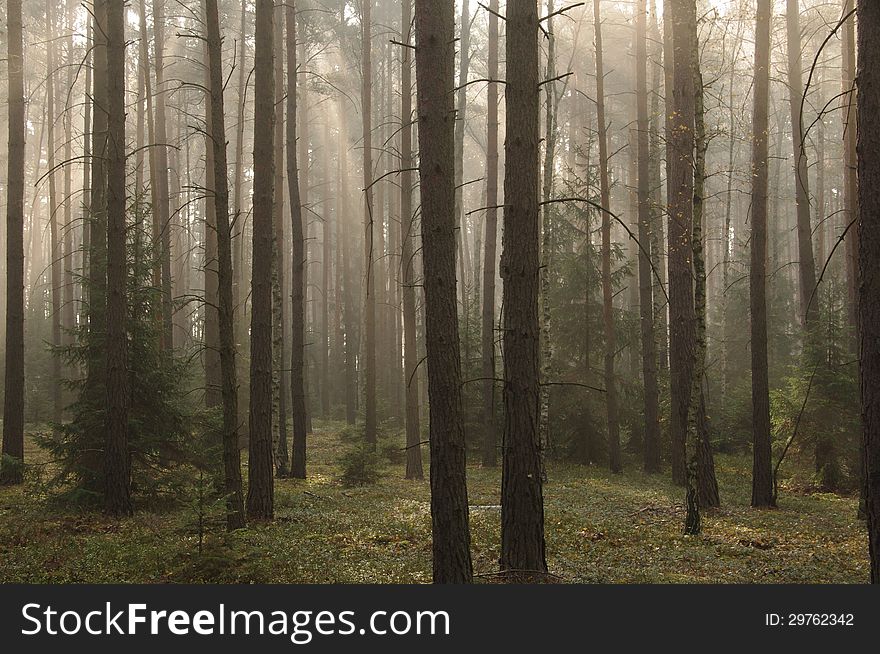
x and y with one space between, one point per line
522 499
298 261
435 49
260 497
681 207
226 308
762 481
11 471
490 431
869 263
117 472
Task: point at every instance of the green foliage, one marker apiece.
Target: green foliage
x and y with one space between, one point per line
160 421
360 466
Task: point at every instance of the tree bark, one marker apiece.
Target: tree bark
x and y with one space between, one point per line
490 435
522 499
298 261
260 497
117 467
869 263
615 461
681 208
646 281
435 48
11 471
762 476
226 308
370 420
410 353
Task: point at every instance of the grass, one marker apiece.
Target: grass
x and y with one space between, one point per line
600 528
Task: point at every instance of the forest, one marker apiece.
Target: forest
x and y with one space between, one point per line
450 291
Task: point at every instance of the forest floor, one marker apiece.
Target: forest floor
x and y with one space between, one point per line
600 528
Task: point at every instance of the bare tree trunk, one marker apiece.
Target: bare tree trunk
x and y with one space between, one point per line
707 485
522 497
615 461
238 214
435 49
490 435
547 233
762 479
646 281
298 260
55 252
117 498
260 497
279 322
681 208
370 426
13 399
407 218
235 518
869 262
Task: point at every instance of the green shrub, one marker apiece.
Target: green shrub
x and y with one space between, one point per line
360 466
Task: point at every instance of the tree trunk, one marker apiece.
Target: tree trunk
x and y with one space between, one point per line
547 234
370 426
55 252
117 498
298 261
762 479
490 435
869 262
11 471
410 353
615 461
646 281
226 308
707 484
681 207
260 497
435 48
279 321
522 499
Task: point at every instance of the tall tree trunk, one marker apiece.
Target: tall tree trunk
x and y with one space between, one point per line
13 399
550 112
678 247
370 422
163 210
238 174
226 308
435 48
646 281
460 215
407 218
762 481
298 261
869 262
260 497
522 497
707 484
55 252
490 432
117 498
615 461
279 321
681 208
213 371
